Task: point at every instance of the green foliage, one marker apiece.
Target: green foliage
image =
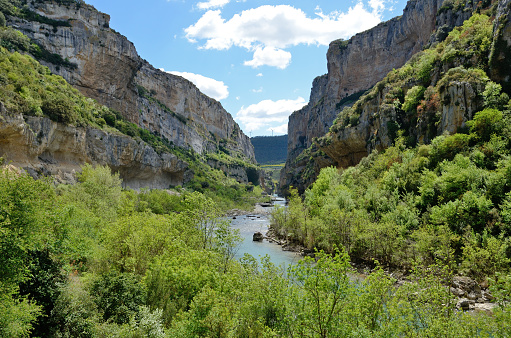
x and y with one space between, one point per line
59 108
322 292
487 123
43 288
173 282
99 190
29 88
485 256
25 226
413 98
493 96
25 219
119 296
172 274
417 203
16 315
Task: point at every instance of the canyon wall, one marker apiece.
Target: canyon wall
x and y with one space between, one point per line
355 66
109 69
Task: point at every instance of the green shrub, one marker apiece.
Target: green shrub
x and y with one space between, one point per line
59 108
118 296
493 96
413 98
447 147
487 123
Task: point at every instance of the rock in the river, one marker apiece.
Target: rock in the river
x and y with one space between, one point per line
258 237
464 304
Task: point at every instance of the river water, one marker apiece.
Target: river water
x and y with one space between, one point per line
248 225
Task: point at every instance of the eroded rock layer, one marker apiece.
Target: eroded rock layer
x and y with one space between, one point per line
42 146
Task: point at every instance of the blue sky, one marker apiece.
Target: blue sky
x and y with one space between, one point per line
257 57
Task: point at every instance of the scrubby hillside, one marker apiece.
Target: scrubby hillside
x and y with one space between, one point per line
270 149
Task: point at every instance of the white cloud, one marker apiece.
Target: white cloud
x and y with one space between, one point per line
212 4
377 5
282 129
260 90
269 56
270 29
211 87
267 113
260 75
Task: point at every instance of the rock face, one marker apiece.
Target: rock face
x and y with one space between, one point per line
109 69
355 66
42 146
501 48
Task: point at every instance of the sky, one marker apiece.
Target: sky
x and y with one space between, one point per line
257 57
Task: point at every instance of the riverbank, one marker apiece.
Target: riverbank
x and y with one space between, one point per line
259 209
470 295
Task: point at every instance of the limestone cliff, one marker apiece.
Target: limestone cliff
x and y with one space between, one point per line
354 67
108 69
501 48
40 145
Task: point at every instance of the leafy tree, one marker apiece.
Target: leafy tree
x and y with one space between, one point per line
43 286
205 215
25 226
493 96
99 190
486 123
119 296
323 289
132 242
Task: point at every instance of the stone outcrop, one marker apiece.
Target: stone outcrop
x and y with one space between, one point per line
501 47
109 69
355 66
42 146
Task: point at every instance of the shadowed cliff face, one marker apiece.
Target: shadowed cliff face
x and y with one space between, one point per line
355 66
42 146
501 48
109 70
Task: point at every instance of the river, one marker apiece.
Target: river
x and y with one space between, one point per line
248 225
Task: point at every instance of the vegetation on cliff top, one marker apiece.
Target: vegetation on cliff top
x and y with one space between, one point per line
270 149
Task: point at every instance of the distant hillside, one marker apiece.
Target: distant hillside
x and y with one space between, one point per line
270 149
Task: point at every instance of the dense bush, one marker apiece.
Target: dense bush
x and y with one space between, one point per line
397 206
